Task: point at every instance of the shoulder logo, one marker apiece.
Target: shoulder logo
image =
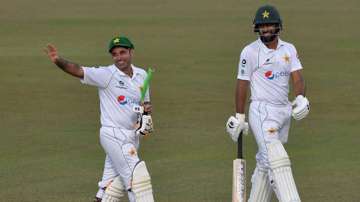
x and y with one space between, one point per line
243 63
242 72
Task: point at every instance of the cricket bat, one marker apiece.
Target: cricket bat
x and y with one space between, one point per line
239 174
143 90
145 87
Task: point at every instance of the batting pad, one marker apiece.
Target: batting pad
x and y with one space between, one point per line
141 183
281 176
260 188
114 192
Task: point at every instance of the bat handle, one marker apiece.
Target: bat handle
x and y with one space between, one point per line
145 112
240 146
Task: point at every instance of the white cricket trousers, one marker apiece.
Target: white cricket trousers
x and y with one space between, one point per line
120 146
268 122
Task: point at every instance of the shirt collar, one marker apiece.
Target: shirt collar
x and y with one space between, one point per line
268 50
135 71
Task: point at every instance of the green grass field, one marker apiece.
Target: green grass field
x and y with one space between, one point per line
49 122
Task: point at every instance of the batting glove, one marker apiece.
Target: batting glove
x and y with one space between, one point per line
235 125
301 107
145 126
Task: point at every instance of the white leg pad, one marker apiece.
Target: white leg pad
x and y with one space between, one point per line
281 177
260 189
114 192
141 183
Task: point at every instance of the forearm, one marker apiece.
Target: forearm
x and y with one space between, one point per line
240 96
69 67
298 84
299 87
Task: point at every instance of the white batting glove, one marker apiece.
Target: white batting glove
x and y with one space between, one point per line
235 125
146 125
301 107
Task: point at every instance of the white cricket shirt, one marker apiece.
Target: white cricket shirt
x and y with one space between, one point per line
118 93
268 70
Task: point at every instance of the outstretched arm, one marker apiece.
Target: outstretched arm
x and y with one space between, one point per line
67 66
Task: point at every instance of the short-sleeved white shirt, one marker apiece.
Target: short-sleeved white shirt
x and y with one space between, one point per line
268 70
118 93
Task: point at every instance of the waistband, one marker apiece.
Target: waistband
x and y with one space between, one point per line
270 103
119 128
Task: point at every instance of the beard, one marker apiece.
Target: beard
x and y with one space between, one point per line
269 36
268 39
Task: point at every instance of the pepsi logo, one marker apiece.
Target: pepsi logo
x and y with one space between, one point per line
269 75
122 100
275 75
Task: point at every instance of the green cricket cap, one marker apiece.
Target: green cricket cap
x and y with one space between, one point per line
120 41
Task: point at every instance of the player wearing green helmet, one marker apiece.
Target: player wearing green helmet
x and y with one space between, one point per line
266 66
267 23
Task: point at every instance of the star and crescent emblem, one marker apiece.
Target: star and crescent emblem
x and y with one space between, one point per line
286 58
265 14
117 40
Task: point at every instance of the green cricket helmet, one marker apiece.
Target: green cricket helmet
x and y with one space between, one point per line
267 14
120 41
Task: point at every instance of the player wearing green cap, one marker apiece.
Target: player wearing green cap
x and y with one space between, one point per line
125 116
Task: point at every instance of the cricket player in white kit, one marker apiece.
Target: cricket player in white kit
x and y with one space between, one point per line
266 65
122 120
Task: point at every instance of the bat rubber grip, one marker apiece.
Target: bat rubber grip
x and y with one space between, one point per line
240 145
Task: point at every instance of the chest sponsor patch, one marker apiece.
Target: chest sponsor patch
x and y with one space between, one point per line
123 100
275 75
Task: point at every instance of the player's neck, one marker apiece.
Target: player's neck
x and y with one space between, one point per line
127 70
273 44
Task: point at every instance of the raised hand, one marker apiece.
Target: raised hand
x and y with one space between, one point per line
52 53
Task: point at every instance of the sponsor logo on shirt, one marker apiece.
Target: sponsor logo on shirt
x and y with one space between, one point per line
274 75
243 63
121 84
267 62
242 72
123 100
